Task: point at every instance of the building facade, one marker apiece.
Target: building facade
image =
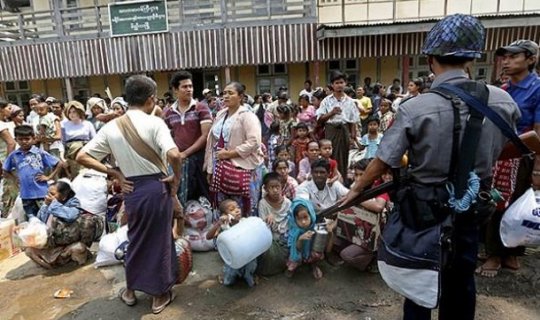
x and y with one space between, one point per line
64 48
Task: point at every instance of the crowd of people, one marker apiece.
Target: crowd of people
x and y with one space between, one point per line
283 157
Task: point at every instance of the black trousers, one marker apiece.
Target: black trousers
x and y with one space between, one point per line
458 289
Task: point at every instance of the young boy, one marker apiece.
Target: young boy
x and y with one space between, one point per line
304 166
231 215
30 164
282 153
300 143
49 131
371 140
326 153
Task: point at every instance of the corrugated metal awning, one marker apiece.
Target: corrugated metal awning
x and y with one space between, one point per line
249 45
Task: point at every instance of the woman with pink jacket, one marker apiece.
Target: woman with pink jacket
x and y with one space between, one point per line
234 159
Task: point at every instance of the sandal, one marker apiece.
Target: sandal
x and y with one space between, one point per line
488 272
126 301
158 309
317 273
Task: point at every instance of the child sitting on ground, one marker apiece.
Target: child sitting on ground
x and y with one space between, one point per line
274 210
304 167
300 143
301 231
286 123
288 183
231 215
371 140
30 163
326 153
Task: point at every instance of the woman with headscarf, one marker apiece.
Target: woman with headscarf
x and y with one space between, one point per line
94 107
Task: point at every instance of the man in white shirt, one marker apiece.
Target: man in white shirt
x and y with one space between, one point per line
307 90
317 190
150 199
339 115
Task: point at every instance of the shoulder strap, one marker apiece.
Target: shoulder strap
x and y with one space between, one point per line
138 144
473 102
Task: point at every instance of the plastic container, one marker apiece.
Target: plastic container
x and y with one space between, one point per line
244 242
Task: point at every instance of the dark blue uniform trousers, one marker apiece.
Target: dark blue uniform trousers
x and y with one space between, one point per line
458 293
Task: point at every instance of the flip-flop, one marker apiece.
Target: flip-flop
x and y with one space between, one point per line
127 302
487 272
158 309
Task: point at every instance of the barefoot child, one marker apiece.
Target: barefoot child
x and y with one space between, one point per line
301 231
231 215
274 209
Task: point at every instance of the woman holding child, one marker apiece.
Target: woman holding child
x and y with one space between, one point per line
234 159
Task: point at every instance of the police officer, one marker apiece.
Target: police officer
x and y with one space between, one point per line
423 128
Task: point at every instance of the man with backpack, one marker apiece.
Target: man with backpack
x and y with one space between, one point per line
444 169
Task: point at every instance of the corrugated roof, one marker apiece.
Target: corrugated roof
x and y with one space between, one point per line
486 17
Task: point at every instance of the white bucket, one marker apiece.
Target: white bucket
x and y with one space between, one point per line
244 242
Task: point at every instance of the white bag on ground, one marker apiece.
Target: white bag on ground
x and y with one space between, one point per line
90 186
520 224
33 234
107 246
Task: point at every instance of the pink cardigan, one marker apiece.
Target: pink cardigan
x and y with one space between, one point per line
245 138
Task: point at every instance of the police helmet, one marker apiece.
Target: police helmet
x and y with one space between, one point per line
458 35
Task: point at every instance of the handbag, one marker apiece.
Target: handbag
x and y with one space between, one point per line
228 178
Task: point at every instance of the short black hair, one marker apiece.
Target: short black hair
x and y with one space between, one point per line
319 94
374 119
336 75
224 203
277 162
321 163
271 176
302 125
308 81
361 164
280 148
65 190
452 60
179 77
138 89
24 131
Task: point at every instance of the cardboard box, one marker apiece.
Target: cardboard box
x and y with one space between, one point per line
6 243
361 227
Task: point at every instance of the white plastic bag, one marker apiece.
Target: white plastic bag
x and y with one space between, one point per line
107 246
90 186
17 212
520 225
33 233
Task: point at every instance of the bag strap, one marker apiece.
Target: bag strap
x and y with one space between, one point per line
483 108
138 144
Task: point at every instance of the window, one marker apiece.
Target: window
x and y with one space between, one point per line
18 92
349 67
271 77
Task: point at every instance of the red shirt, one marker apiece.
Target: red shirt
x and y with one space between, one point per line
186 127
333 167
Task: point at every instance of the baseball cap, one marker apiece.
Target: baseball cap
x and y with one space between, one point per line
205 91
50 100
518 46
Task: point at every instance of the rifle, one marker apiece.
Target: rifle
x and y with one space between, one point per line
331 212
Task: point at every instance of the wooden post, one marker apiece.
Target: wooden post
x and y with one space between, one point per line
227 75
405 71
316 80
69 89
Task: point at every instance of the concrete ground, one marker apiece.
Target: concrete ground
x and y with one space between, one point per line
26 292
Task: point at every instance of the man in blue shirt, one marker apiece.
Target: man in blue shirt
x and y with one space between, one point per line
514 177
30 164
